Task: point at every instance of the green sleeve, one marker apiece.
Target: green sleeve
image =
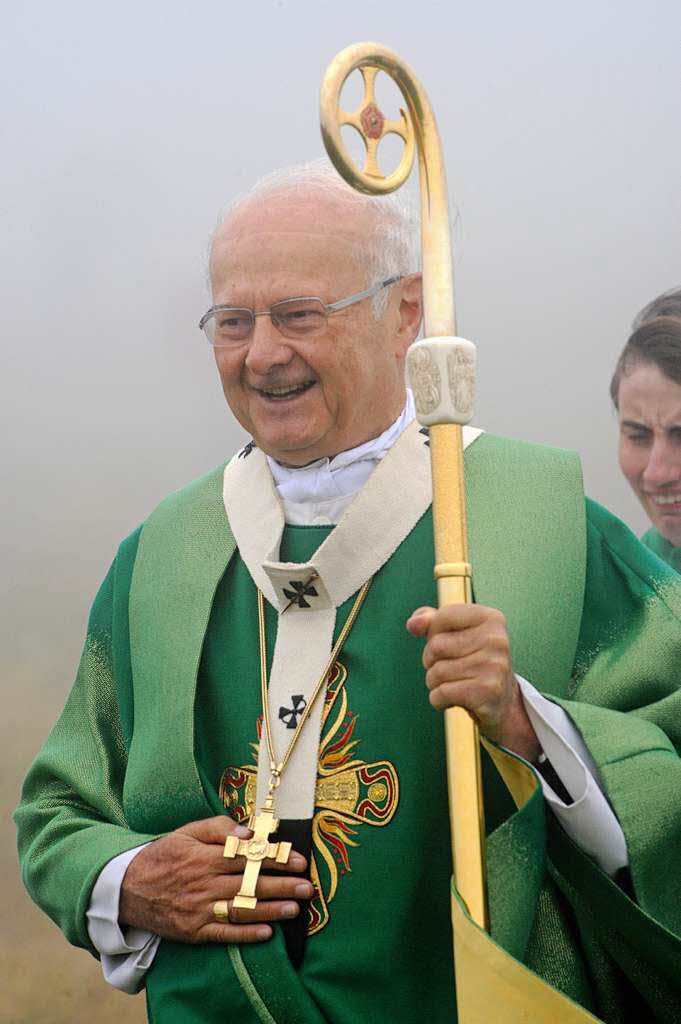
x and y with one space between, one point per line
627 703
71 820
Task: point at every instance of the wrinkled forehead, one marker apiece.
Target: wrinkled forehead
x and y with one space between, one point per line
272 234
648 395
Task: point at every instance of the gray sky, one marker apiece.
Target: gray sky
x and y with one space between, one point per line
126 127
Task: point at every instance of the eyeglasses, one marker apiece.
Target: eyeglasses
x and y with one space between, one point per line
294 318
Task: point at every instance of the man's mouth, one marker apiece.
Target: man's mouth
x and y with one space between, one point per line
284 391
663 500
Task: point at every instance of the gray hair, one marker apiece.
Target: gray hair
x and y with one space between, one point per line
391 249
667 304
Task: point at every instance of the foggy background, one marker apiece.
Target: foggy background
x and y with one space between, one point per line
125 127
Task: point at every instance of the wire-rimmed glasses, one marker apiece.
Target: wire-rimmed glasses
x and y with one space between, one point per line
294 318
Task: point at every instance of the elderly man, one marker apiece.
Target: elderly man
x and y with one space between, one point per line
248 651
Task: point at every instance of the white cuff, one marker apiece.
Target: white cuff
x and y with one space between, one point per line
126 957
589 820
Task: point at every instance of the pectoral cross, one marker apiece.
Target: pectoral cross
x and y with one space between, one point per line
255 850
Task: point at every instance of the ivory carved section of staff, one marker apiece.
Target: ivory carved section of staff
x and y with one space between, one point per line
442 371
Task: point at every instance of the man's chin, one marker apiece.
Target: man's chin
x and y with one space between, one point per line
293 451
668 526
672 533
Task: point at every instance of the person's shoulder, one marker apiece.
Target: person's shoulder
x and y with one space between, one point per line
524 463
198 500
528 449
614 533
196 493
618 544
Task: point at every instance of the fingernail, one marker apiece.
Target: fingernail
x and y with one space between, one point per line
263 932
242 832
304 890
289 910
296 861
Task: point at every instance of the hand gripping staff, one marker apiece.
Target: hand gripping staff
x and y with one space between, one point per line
442 369
490 984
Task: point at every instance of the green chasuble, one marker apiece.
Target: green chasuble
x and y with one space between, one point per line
163 722
662 548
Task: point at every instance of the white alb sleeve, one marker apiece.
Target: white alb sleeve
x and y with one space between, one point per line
126 956
589 820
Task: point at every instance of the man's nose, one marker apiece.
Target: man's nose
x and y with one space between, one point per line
664 465
267 347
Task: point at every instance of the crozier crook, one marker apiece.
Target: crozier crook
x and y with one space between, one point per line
442 371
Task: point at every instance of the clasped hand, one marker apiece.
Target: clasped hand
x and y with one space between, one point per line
170 887
467 658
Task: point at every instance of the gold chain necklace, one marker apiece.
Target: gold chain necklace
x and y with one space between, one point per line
256 849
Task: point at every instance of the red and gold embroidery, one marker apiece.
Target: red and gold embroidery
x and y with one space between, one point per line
349 793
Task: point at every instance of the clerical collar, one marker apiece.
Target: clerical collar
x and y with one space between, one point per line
319 493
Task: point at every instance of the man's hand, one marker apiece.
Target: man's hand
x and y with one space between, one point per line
467 659
171 885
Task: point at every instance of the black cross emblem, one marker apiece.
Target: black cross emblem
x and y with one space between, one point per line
424 430
300 592
289 715
246 450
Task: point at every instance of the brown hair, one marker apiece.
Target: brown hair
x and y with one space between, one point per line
667 304
656 342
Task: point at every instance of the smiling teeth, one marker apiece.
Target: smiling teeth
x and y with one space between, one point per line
667 499
288 390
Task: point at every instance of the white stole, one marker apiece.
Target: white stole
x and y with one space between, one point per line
376 522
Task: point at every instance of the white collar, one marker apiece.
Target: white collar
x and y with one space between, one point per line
321 491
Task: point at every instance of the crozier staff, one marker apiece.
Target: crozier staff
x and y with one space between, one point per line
441 369
245 581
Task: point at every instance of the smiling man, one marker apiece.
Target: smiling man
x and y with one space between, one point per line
646 391
243 806
307 384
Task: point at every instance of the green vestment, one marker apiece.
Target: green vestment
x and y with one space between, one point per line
663 548
160 726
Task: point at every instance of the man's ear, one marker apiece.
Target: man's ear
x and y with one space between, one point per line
410 310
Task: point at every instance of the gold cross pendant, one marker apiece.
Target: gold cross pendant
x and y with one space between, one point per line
255 850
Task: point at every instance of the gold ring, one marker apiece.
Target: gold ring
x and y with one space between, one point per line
221 910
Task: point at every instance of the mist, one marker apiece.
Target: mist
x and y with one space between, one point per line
127 127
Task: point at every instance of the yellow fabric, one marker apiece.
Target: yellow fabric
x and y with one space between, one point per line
491 985
494 988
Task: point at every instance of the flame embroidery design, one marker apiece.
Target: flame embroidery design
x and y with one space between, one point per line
349 793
